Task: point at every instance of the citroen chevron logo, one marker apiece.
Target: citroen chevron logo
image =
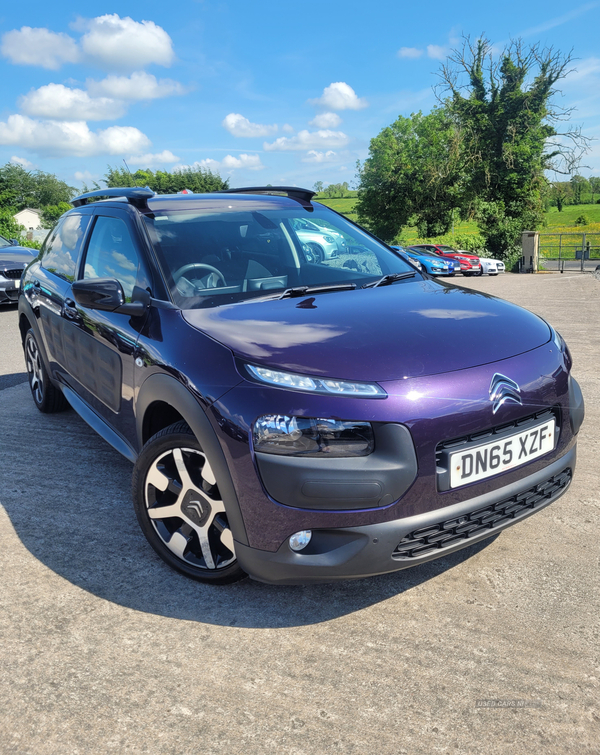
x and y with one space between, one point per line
503 389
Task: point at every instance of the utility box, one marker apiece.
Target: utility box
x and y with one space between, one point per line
530 244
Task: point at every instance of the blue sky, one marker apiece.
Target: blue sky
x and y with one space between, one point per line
261 92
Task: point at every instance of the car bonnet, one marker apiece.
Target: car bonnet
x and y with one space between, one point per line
408 329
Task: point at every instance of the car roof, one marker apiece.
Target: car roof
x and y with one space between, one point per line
243 199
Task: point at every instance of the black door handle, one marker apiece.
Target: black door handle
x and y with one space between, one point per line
70 309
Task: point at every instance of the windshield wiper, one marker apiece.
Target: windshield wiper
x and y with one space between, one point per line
303 290
387 279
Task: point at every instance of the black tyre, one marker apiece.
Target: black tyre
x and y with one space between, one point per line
46 396
317 251
179 507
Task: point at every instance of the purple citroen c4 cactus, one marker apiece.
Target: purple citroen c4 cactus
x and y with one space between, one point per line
293 417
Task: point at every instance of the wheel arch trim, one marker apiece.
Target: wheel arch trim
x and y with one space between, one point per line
160 387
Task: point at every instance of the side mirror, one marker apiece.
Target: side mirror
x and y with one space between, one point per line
14 242
107 295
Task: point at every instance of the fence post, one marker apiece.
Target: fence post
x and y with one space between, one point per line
559 251
583 253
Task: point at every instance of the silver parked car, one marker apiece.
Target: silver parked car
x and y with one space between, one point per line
13 260
324 243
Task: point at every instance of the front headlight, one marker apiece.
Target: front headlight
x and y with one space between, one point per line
315 385
312 437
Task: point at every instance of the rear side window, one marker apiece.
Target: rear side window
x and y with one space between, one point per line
62 248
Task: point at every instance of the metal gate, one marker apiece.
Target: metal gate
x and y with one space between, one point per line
575 252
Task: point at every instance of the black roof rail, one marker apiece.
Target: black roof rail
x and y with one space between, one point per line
136 196
294 192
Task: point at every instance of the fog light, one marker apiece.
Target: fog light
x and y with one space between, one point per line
299 540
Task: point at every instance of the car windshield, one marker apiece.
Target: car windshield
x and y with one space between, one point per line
214 256
4 242
446 248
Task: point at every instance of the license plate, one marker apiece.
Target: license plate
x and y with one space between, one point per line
502 454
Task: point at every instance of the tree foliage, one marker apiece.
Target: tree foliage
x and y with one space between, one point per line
198 180
504 109
9 228
484 150
20 188
412 176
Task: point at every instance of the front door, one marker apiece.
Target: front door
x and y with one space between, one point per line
103 344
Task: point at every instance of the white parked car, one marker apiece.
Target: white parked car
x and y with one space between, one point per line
489 266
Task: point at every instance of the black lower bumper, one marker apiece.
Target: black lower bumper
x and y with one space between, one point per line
354 552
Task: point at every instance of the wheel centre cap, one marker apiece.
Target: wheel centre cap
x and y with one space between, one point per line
195 508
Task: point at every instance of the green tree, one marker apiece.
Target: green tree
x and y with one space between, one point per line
504 109
579 185
9 228
594 186
318 186
20 188
52 212
413 175
198 180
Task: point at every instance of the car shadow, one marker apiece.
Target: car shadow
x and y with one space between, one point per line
68 498
14 378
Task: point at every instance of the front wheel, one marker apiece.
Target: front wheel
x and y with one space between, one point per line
179 508
317 251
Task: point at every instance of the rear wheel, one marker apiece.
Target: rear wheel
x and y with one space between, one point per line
179 507
46 396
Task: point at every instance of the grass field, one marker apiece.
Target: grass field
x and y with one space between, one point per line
554 222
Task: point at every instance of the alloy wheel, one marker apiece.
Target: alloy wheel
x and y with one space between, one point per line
35 370
185 509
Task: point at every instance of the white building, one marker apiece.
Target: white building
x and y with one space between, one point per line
30 218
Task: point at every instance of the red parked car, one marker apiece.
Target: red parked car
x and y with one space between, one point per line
469 263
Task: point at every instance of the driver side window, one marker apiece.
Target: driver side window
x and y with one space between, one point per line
112 254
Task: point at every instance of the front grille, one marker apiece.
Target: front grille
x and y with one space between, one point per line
12 273
442 535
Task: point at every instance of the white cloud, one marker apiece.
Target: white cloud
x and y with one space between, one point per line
237 125
85 177
409 52
437 52
340 96
326 120
38 47
229 162
157 158
319 157
119 43
286 128
70 138
59 102
306 140
22 161
139 86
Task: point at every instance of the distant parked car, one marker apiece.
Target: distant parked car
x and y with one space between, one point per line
323 243
13 260
409 258
469 263
434 264
491 266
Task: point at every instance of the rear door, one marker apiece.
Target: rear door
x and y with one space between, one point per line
51 280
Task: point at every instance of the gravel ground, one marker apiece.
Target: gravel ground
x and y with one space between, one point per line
104 649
